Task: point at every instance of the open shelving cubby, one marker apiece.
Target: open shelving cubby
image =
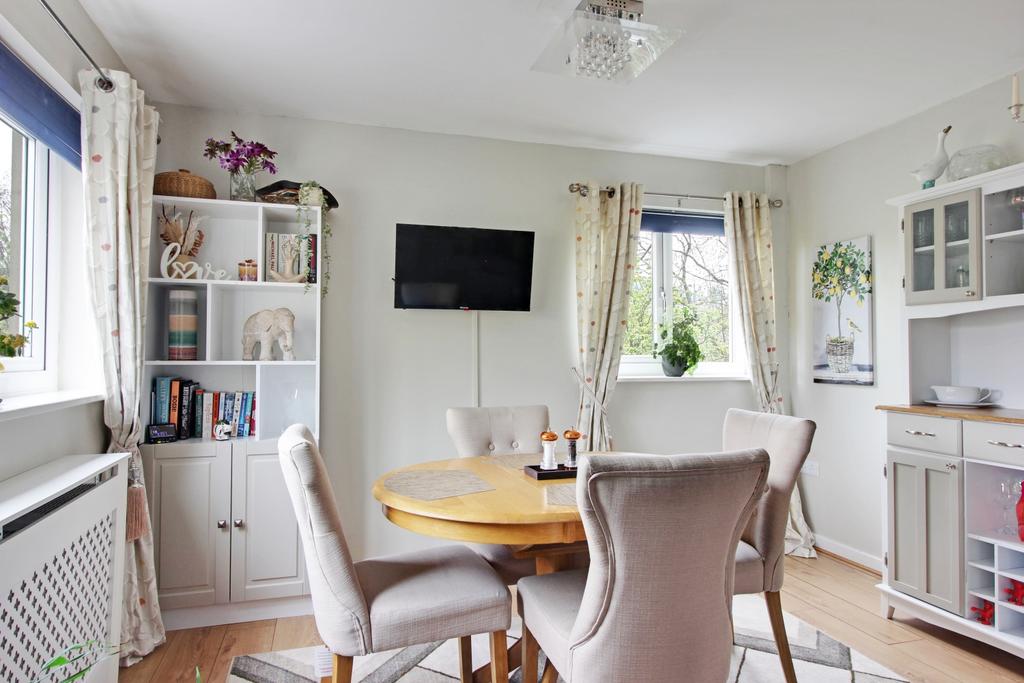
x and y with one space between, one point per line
286 391
994 558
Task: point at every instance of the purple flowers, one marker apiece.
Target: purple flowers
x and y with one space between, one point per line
241 156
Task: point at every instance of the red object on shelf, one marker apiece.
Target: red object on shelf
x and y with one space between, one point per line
1015 593
986 613
1020 514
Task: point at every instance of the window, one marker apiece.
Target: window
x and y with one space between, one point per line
24 179
683 263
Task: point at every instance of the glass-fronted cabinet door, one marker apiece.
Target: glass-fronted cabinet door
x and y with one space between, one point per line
942 241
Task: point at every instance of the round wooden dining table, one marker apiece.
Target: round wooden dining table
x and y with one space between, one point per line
517 510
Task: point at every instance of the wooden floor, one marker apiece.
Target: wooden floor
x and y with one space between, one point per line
833 596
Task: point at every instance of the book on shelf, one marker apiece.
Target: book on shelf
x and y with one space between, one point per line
195 411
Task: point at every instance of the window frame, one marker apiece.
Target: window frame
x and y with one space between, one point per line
648 367
28 373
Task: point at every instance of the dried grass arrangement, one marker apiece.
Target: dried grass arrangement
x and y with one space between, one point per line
185 233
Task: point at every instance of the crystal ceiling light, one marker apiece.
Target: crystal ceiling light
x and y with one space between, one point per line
606 39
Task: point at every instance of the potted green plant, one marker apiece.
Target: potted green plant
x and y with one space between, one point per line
840 273
11 344
679 351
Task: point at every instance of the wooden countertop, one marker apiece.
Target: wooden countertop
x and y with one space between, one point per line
1004 415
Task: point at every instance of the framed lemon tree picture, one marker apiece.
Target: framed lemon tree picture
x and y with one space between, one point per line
841 287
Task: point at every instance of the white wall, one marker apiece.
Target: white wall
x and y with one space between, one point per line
840 194
389 375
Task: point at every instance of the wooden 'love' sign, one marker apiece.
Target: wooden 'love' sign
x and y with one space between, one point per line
171 267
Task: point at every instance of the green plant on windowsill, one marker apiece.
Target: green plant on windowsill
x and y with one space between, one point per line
679 350
11 344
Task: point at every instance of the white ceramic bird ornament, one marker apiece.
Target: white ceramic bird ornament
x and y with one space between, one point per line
930 170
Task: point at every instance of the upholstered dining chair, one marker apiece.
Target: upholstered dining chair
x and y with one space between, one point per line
499 431
761 551
655 604
387 602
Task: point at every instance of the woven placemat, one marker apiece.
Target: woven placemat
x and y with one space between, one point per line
516 461
436 484
560 494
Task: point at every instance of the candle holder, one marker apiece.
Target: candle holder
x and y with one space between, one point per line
1015 112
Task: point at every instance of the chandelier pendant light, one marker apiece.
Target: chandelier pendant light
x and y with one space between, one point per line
606 40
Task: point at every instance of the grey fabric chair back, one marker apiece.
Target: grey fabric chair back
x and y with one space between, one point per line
662 532
788 441
486 431
342 617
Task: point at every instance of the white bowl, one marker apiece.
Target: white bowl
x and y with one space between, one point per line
961 394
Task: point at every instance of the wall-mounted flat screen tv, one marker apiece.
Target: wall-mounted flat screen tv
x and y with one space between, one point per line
463 268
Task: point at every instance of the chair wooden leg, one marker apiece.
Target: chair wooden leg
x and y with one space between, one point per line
499 657
530 652
342 670
466 659
550 674
774 601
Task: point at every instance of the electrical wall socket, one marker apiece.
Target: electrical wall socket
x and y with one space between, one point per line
810 468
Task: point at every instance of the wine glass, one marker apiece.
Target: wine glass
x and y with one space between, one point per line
1009 492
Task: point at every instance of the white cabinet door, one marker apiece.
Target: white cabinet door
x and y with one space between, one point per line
926 527
190 504
943 249
266 552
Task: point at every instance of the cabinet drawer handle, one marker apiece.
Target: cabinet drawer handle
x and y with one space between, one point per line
1005 444
222 524
239 523
915 432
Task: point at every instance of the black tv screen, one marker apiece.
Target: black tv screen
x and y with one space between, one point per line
463 268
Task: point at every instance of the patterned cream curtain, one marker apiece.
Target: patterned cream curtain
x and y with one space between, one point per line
606 237
118 159
748 229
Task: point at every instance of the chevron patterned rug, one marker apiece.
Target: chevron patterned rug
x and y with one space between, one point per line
817 657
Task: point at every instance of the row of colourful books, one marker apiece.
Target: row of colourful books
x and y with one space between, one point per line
195 411
301 249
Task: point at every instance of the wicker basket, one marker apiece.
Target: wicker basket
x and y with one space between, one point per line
182 183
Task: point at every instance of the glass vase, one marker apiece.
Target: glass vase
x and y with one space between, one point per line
243 186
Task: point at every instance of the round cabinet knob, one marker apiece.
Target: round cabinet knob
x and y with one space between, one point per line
950 466
969 292
239 523
222 524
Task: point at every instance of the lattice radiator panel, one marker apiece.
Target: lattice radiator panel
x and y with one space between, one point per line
61 578
65 601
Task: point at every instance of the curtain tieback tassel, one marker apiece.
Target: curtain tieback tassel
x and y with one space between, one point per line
600 404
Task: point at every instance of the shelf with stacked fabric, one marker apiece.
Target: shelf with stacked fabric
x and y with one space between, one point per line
210 271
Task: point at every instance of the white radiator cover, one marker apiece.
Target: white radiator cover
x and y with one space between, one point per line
61 577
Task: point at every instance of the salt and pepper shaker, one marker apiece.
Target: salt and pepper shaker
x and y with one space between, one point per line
548 440
571 435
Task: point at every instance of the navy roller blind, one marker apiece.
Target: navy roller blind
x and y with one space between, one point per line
30 103
676 221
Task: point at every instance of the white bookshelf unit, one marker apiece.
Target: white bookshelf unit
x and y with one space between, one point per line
249 564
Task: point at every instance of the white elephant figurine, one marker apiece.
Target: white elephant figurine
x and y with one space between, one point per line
264 328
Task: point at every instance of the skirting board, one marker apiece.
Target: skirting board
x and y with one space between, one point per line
852 554
215 615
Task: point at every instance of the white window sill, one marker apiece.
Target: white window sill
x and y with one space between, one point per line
684 378
35 404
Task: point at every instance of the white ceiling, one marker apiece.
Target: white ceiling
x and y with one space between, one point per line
753 81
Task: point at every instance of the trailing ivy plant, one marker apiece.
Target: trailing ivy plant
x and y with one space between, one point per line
312 195
840 271
680 348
